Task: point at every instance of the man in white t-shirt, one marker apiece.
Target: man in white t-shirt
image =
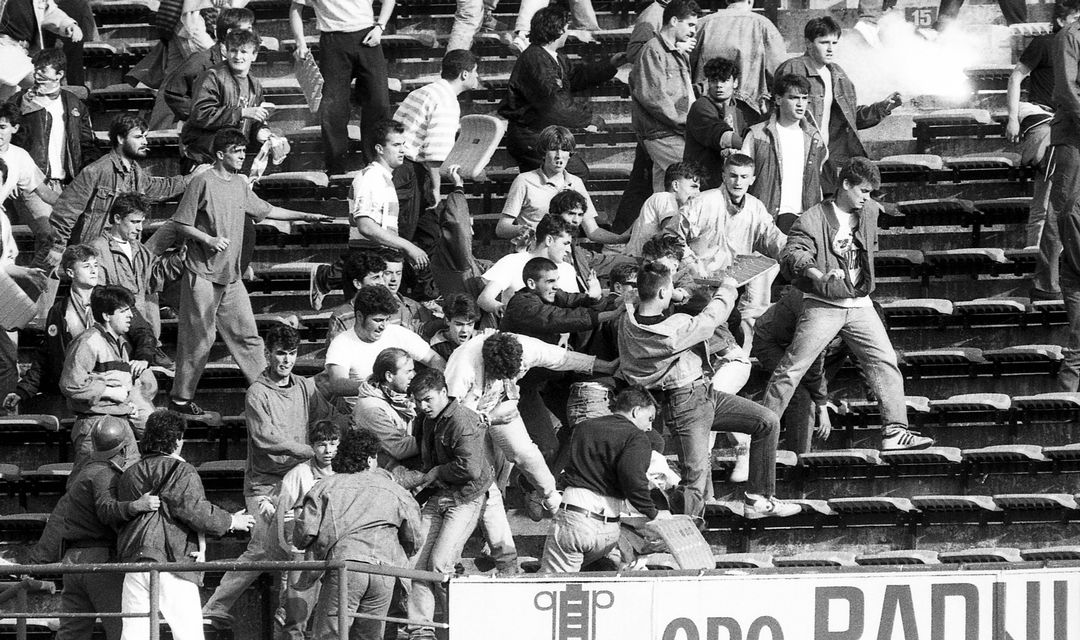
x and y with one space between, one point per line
553 241
350 356
833 105
683 182
25 183
788 153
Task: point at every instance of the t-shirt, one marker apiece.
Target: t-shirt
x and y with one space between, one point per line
792 151
373 196
23 175
507 273
8 250
216 205
1038 56
658 209
341 15
349 351
826 110
55 107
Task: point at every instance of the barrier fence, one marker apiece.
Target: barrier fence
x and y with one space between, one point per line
19 590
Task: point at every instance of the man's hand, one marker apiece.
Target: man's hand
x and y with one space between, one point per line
115 394
893 101
373 37
242 522
686 46
1012 129
52 259
11 401
835 274
73 33
824 423
679 295
255 113
217 245
619 59
606 367
301 50
137 367
431 476
455 176
146 503
36 276
417 256
267 507
594 291
504 412
317 218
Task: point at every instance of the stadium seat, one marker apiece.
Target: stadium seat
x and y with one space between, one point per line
817 559
871 504
743 560
898 557
989 554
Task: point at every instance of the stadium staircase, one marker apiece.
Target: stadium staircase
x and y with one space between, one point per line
978 356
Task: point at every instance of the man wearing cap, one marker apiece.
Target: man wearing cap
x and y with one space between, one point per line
91 516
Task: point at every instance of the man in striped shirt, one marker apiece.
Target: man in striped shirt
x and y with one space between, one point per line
431 116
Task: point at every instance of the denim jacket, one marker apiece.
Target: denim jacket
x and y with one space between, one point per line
764 147
661 90
455 444
843 137
810 245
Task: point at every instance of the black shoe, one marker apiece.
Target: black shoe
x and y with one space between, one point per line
188 409
162 359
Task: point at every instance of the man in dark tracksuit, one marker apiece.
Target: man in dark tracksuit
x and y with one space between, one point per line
91 515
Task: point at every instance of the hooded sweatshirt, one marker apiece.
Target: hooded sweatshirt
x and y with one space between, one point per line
277 423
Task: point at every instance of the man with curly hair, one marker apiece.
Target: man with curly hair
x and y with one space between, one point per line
358 514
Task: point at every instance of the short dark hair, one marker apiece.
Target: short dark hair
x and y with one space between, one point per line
624 274
688 170
107 299
371 300
230 19
387 362
501 355
547 25
535 268
383 128
226 138
652 277
357 265
663 246
552 226
76 253
164 431
122 125
820 27
427 380
354 450
281 336
633 397
10 111
324 430
457 61
721 69
238 38
739 160
555 138
789 81
681 9
858 170
394 255
567 200
126 204
460 305
50 57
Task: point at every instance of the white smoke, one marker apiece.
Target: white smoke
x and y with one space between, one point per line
919 63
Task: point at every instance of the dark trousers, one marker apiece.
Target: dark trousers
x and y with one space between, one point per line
1015 11
90 593
79 11
638 189
1065 202
544 392
342 58
416 205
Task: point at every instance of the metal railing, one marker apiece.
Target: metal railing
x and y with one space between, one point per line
343 567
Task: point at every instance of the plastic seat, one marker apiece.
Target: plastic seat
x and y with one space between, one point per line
1004 211
1006 453
989 554
743 560
898 557
918 161
954 116
954 503
1036 501
817 559
871 504
840 458
933 212
930 455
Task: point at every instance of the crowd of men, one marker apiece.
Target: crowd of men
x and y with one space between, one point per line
561 372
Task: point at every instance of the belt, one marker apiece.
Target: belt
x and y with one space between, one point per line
573 508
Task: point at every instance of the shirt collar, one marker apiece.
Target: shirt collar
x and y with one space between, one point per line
118 163
562 177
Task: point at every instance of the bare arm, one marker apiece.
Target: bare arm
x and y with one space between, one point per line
1012 127
339 383
296 24
603 236
373 231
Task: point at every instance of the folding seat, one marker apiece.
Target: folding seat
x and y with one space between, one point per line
898 557
972 262
918 313
743 560
983 555
817 559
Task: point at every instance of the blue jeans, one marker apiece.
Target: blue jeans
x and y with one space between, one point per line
690 413
864 334
1065 203
445 527
576 540
368 593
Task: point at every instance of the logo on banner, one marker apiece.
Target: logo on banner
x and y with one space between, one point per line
573 610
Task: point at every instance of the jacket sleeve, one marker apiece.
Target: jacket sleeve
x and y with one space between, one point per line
177 92
78 380
158 188
526 314
469 456
642 33
55 20
870 115
110 510
308 524
87 141
396 443
542 87
587 74
632 470
701 327
648 90
410 534
208 107
801 251
70 207
188 504
769 239
537 353
704 125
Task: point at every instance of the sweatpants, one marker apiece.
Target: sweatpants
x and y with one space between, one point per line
207 309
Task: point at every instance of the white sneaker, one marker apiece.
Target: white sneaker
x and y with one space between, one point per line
315 293
901 439
759 507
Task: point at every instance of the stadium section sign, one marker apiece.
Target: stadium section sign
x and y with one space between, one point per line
1021 604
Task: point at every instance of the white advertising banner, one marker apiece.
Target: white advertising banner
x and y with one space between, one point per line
1038 604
